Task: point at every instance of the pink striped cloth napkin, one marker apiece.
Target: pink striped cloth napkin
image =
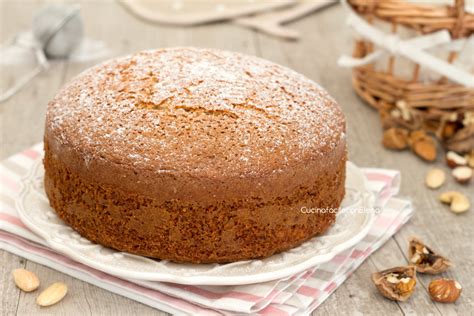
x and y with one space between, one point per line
296 295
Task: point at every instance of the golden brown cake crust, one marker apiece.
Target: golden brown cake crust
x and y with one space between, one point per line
194 155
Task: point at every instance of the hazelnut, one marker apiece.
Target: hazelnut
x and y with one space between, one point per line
425 259
416 136
435 178
444 290
397 283
395 138
423 145
448 130
458 202
425 149
454 160
462 174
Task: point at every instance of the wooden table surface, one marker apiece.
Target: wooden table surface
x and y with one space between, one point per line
324 38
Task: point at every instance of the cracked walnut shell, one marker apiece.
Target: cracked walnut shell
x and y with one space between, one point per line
397 283
425 259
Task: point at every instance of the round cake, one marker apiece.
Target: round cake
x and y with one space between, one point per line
195 155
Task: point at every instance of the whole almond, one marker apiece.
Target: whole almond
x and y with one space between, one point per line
53 294
26 280
435 178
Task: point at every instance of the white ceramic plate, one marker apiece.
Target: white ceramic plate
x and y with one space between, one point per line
350 228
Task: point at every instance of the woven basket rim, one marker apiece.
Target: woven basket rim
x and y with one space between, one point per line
422 17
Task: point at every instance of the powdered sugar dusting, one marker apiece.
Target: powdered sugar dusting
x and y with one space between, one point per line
196 109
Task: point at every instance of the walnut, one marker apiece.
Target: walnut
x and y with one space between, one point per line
425 259
397 283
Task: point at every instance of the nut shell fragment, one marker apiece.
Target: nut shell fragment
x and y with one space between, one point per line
397 283
425 259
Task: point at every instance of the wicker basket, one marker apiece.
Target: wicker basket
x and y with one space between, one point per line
439 107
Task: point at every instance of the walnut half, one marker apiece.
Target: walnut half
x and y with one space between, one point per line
397 283
425 259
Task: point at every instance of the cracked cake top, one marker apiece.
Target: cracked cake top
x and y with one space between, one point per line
198 111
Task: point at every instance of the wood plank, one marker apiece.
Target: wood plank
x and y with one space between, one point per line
82 298
357 296
9 293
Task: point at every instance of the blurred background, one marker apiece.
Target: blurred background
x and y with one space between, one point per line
323 38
